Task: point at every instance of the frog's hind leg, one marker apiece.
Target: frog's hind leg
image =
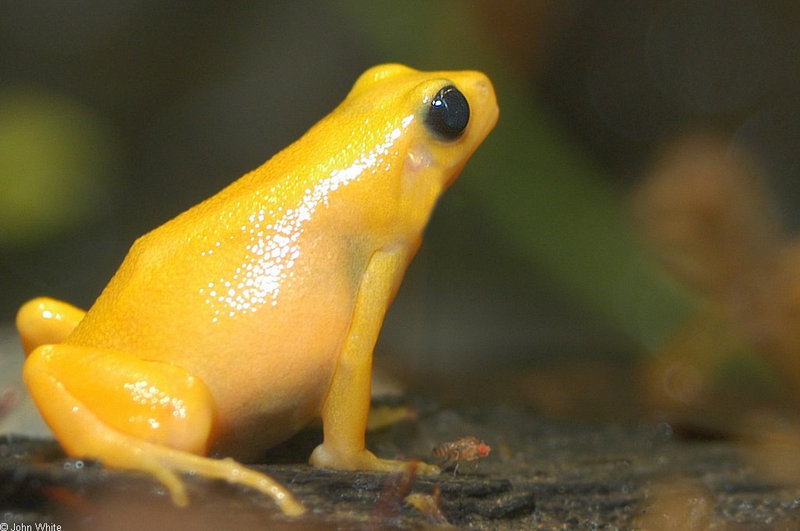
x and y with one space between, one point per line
135 414
44 321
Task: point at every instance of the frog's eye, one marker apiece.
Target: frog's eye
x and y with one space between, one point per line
448 114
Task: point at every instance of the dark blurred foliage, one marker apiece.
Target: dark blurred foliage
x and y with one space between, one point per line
626 75
196 93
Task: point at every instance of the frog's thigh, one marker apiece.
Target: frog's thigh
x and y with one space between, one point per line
149 400
43 321
134 414
346 407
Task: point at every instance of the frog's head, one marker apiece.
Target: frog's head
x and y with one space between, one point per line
427 125
452 112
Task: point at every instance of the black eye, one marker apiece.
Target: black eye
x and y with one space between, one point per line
449 113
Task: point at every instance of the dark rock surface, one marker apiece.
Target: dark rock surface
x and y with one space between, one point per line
540 474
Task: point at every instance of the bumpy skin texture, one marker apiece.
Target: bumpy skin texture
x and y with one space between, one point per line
233 325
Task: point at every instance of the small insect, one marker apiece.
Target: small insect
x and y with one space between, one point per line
464 449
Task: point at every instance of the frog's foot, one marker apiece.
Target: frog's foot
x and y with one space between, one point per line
383 416
96 432
117 449
163 463
230 471
324 457
43 320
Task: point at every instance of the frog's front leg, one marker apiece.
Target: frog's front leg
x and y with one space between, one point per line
346 406
135 414
44 321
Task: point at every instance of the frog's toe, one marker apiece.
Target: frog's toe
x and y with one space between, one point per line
323 457
173 484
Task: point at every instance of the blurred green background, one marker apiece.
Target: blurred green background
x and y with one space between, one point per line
116 116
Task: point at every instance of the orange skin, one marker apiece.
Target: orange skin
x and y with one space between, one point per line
233 325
